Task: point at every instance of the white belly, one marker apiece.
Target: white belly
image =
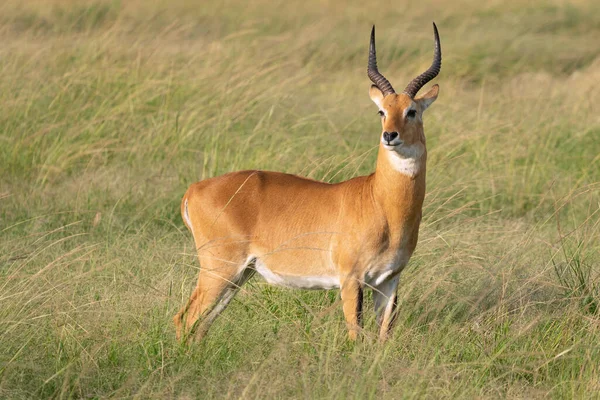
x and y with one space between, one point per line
299 282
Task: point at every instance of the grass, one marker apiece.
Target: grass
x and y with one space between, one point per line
110 109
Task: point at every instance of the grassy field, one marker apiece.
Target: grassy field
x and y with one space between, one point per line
110 109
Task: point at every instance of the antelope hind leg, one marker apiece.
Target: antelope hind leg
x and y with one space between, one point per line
218 283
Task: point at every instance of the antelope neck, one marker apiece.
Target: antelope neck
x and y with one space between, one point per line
399 182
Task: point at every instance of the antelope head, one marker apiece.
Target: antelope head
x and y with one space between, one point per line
402 114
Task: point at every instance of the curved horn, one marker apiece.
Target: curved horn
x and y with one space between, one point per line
416 84
374 75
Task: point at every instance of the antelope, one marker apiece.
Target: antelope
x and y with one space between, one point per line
302 233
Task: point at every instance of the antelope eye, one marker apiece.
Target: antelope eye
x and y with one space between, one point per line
381 113
411 113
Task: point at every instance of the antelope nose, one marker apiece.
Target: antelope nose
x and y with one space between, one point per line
389 136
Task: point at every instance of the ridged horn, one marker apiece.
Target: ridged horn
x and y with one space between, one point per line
416 84
379 80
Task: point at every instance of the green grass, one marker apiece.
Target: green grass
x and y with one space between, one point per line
110 109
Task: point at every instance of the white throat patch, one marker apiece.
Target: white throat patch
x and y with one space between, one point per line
406 160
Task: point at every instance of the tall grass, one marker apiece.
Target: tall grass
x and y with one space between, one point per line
110 109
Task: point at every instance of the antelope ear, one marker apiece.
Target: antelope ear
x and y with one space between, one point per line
377 96
428 98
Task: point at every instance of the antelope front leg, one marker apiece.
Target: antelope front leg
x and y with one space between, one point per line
352 301
385 299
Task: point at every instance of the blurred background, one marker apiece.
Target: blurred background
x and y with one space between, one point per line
109 110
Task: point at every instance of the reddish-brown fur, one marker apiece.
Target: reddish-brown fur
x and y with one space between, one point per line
359 233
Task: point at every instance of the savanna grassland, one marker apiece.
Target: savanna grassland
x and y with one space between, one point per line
110 109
